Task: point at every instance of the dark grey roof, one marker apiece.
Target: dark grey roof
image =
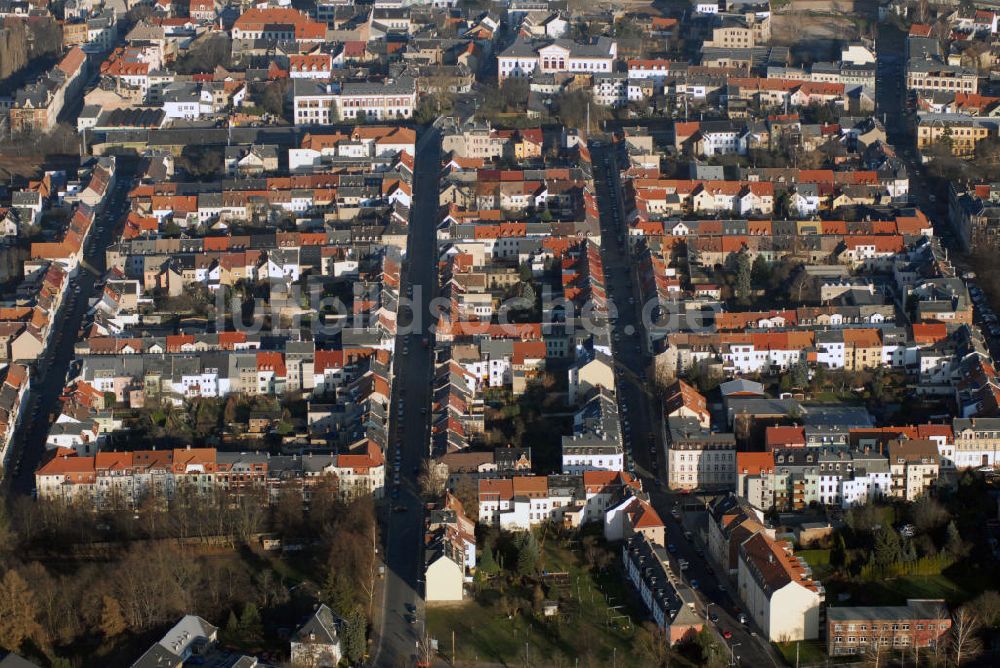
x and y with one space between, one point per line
14 661
321 627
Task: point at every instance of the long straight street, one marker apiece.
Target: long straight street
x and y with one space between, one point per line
402 608
49 375
643 436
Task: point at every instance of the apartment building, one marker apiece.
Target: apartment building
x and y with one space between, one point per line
36 106
739 31
975 214
931 76
670 602
778 590
697 457
958 132
596 441
317 103
915 466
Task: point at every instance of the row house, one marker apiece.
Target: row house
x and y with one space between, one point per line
13 392
449 551
522 502
670 602
794 479
114 364
126 479
765 352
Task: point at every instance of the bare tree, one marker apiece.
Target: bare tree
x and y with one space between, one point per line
432 480
656 646
987 608
878 643
18 612
467 491
929 514
965 643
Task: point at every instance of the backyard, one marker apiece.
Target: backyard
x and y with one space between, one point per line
537 419
934 548
596 622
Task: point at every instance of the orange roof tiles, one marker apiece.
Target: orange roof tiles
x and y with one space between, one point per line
754 463
862 338
502 489
535 487
784 437
929 333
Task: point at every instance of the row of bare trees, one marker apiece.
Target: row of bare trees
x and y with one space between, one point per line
74 608
22 42
63 595
959 647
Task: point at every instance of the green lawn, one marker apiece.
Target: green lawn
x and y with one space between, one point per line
895 591
958 584
810 652
586 626
815 558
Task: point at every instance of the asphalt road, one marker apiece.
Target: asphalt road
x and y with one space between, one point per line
641 424
50 370
891 106
402 609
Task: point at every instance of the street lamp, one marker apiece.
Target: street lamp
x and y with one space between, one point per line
732 653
